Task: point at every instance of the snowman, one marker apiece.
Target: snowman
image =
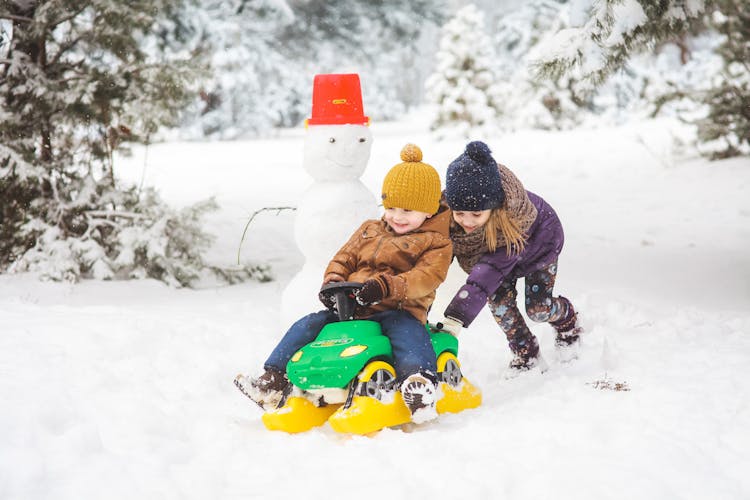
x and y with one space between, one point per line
336 151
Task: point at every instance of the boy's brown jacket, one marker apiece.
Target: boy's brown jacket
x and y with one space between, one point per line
412 264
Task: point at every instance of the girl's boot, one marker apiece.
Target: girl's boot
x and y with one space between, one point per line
569 332
526 355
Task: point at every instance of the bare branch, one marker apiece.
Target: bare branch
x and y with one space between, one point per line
261 210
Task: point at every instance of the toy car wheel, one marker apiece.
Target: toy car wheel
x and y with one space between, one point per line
376 380
449 370
381 382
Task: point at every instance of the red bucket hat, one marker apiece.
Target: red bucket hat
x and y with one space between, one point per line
337 100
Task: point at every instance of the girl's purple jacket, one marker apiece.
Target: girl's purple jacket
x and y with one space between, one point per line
542 249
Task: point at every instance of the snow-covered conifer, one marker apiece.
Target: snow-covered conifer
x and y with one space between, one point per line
527 102
78 81
726 127
610 32
463 86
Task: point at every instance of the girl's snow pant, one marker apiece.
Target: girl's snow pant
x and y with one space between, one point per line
541 306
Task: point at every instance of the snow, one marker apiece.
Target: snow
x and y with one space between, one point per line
123 390
627 16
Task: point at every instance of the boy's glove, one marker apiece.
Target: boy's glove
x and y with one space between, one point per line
372 291
450 325
327 301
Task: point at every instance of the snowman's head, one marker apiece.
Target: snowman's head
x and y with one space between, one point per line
337 152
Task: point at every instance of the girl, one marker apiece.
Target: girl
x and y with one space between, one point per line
500 233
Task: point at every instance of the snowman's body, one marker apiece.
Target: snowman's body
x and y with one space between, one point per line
330 210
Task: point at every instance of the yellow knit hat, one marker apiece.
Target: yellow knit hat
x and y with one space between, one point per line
412 185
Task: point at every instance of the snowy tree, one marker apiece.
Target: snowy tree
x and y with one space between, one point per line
615 30
463 86
266 53
79 80
526 101
726 127
612 30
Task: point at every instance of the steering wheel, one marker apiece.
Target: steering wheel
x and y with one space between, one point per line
343 295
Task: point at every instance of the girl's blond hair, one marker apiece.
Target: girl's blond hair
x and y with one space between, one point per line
515 239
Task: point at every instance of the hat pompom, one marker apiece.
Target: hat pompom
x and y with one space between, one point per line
479 152
411 153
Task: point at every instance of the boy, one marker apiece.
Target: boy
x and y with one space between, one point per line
401 259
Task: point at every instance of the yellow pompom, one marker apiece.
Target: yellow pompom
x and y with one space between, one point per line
411 152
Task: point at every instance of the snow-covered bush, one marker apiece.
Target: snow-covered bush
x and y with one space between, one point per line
464 88
125 235
78 82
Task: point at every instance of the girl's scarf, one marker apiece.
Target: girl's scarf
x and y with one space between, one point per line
468 248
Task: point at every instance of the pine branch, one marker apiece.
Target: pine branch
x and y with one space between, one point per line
62 49
115 213
72 15
20 19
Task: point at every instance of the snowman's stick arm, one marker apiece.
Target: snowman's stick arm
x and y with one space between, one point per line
260 210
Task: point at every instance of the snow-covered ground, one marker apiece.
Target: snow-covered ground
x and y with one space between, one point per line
123 390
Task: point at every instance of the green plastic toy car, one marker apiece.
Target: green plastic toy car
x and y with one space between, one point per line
346 376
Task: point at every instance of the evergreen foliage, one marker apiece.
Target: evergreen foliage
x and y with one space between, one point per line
78 80
464 86
526 101
614 31
726 127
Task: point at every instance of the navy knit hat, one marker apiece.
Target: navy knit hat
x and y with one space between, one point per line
473 180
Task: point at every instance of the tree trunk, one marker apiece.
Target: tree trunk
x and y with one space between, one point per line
681 43
46 128
36 50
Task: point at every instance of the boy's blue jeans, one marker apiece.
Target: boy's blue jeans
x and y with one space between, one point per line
412 348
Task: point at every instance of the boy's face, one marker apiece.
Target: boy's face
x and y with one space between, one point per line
402 220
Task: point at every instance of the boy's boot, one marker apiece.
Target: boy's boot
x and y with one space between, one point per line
569 332
267 390
420 394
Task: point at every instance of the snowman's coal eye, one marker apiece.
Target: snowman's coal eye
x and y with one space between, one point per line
362 139
332 140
